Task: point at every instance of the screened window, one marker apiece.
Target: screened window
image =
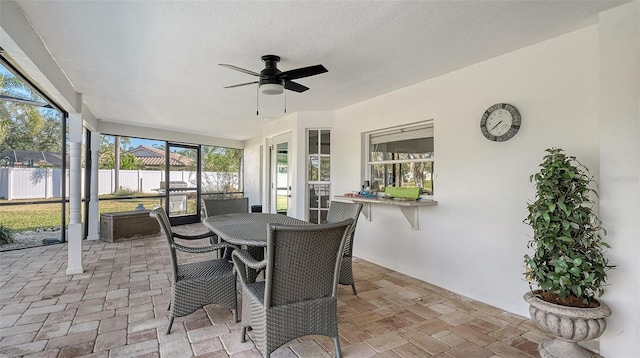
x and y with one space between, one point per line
33 162
402 157
221 170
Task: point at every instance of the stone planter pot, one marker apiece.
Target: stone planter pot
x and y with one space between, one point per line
568 324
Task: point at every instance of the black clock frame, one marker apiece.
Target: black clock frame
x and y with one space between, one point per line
515 124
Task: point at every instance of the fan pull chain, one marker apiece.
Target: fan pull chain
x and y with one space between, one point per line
285 99
257 100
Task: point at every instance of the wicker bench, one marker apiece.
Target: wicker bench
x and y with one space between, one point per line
126 225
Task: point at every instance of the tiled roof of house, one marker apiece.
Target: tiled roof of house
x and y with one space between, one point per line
157 161
151 156
22 158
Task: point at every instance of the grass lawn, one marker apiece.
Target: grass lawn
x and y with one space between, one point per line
33 216
281 203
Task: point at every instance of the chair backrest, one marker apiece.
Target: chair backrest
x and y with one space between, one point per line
339 211
165 226
213 207
303 262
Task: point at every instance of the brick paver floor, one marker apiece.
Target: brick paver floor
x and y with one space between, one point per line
118 308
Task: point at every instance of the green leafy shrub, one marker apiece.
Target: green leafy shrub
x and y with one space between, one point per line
125 192
568 244
6 235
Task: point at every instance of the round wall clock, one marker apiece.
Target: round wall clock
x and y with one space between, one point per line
500 122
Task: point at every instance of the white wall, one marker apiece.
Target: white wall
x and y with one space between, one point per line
620 179
297 124
580 92
473 242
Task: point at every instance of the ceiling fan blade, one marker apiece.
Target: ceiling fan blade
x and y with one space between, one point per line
303 72
25 101
242 84
240 69
294 86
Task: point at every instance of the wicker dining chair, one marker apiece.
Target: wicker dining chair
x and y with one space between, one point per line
197 284
213 207
339 211
299 294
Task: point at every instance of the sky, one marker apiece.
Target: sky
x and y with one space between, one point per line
136 142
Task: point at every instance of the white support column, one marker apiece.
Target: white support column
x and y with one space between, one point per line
74 231
94 216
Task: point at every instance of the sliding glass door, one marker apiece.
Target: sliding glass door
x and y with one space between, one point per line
182 183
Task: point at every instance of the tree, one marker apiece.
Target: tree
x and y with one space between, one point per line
24 126
220 165
220 159
226 162
215 159
128 161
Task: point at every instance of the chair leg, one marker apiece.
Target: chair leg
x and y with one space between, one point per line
353 286
227 253
169 306
243 334
336 342
235 315
170 324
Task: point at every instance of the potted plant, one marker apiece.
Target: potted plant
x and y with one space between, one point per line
568 265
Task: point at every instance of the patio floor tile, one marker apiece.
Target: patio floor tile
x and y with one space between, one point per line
76 350
118 308
110 340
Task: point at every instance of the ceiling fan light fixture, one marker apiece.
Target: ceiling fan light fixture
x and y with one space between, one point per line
271 81
271 88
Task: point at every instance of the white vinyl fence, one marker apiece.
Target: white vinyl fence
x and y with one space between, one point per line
30 183
36 183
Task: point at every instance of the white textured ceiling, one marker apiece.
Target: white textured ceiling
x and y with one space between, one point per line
155 63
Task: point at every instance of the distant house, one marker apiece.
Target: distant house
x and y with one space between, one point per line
154 158
30 159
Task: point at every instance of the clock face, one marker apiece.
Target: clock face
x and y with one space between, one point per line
500 122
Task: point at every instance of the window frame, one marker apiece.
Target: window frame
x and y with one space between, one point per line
406 128
320 184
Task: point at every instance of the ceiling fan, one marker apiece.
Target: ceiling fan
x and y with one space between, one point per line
273 81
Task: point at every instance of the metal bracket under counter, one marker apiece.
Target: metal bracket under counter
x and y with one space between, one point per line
409 208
